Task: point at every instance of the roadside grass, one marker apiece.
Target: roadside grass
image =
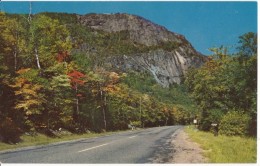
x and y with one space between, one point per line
41 139
225 149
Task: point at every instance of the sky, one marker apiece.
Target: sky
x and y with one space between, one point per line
204 24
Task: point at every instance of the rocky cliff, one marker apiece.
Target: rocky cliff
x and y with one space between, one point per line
172 55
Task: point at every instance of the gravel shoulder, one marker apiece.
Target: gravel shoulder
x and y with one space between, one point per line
185 150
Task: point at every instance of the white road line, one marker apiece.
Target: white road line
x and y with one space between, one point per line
100 145
93 148
132 136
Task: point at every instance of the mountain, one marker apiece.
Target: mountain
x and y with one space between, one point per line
166 55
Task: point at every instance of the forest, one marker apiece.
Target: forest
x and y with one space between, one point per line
50 80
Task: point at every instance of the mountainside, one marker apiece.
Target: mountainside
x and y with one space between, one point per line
167 55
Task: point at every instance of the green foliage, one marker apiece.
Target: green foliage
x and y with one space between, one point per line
169 46
210 116
226 83
175 95
64 18
12 45
82 61
178 107
234 123
61 104
248 45
181 116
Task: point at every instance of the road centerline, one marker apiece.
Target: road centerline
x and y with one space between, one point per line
93 147
102 145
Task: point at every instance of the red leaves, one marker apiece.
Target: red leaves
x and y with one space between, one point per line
76 78
62 56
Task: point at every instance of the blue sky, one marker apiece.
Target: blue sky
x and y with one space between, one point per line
204 24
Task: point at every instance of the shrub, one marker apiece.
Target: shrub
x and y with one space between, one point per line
234 123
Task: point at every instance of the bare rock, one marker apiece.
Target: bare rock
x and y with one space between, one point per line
141 30
168 66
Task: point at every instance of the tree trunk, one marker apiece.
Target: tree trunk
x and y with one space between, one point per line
37 58
15 59
77 109
16 48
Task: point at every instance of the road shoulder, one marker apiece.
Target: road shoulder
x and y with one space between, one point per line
185 150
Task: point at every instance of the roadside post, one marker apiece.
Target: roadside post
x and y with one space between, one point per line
215 129
195 122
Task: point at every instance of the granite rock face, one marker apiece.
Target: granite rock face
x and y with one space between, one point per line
167 66
141 30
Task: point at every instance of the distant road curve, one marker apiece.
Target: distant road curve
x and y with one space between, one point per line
138 146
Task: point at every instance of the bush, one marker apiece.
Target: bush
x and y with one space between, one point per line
234 123
9 132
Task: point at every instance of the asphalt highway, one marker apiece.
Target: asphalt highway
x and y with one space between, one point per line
150 145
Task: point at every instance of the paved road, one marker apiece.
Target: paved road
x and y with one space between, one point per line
140 146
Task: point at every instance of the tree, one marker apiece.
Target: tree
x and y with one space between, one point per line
47 38
77 79
30 99
226 83
59 113
11 45
12 40
248 44
248 60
